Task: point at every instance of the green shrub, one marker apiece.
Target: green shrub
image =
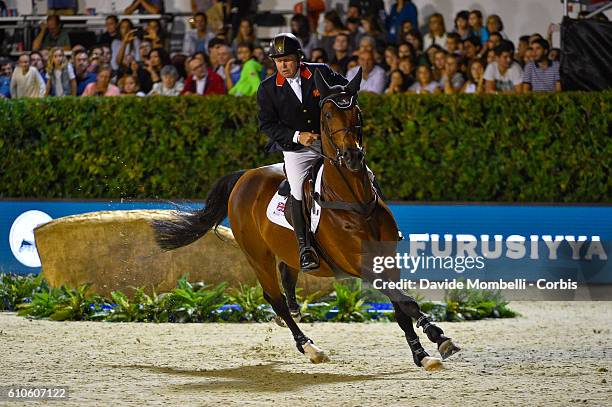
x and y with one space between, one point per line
544 148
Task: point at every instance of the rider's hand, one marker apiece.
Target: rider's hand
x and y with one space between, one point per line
306 138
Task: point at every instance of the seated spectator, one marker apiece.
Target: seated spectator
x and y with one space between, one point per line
179 61
405 29
169 85
144 50
61 78
6 71
401 11
200 6
475 82
128 44
477 27
405 49
319 56
158 58
452 80
259 54
490 57
111 32
462 25
77 48
246 35
373 79
102 85
154 33
555 54
353 62
495 38
471 48
26 82
145 7
223 55
62 7
203 80
366 44
301 29
84 76
250 78
406 66
391 59
332 26
415 39
523 45
353 25
495 24
439 64
397 83
233 67
454 44
541 74
197 40
341 52
424 83
370 26
107 55
437 32
51 35
137 69
504 75
36 60
128 86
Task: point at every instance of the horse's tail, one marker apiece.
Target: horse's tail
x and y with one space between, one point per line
187 227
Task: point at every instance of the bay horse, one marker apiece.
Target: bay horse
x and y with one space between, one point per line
352 213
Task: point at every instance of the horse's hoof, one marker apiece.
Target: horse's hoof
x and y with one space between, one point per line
315 354
431 363
279 321
447 349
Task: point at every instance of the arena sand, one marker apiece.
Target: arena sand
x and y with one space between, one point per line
556 353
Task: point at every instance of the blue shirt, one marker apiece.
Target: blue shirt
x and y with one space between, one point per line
5 86
82 83
396 19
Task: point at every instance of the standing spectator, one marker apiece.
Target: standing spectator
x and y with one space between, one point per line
169 85
128 44
145 7
197 41
332 26
397 83
504 75
128 86
203 80
424 83
452 81
400 12
83 74
111 32
437 32
51 35
301 29
541 74
373 79
495 24
341 52
102 86
36 60
462 25
476 25
26 82
62 80
6 71
475 83
246 35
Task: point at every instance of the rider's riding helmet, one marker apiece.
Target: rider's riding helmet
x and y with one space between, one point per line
285 44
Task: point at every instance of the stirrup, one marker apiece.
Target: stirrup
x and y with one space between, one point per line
309 260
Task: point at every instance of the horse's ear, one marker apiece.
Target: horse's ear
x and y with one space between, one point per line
321 84
355 83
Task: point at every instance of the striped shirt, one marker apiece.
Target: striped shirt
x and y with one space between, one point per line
542 80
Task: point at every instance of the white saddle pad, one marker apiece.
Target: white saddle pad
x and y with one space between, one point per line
276 208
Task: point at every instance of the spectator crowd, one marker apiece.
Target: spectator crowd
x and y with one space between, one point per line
222 55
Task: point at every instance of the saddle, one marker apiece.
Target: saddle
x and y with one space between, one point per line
284 189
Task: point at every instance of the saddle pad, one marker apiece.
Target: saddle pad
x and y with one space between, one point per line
276 208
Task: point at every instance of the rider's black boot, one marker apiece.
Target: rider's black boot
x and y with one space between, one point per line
308 257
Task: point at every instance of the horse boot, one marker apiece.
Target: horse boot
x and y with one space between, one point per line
308 257
446 347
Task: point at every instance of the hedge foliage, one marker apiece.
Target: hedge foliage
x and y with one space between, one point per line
534 148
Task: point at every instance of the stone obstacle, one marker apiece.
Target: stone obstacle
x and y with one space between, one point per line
116 250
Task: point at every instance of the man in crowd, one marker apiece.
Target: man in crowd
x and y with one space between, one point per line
51 35
541 74
6 71
26 82
112 30
374 77
202 81
451 81
197 40
36 60
504 74
83 75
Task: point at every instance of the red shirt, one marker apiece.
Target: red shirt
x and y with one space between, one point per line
214 85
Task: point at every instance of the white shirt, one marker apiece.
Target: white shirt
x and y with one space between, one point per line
200 85
296 86
375 82
508 81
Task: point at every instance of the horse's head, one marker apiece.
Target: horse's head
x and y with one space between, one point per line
341 122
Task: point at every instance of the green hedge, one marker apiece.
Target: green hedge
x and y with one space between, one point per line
544 148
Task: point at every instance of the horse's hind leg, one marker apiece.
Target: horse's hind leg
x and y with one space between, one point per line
289 278
265 268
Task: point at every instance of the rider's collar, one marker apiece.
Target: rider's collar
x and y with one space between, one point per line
304 73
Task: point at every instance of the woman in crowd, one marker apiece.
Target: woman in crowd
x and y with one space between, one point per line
371 26
128 44
61 79
128 85
332 26
476 26
158 58
437 32
246 35
424 83
475 82
397 83
154 32
169 85
102 85
495 24
300 27
462 25
414 38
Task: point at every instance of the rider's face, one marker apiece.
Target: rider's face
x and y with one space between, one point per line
287 66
